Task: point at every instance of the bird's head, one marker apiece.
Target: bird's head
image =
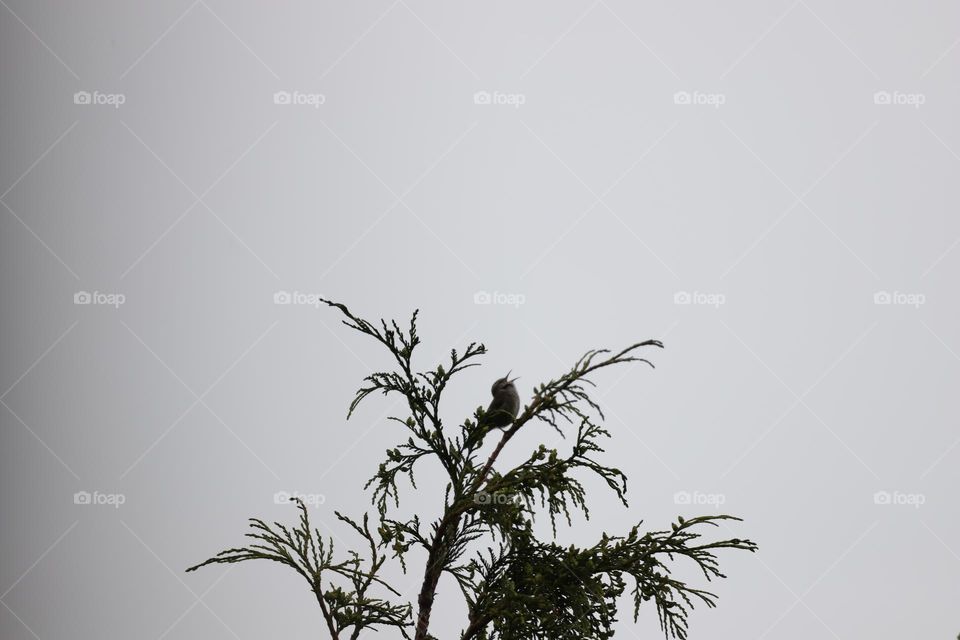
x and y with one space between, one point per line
503 384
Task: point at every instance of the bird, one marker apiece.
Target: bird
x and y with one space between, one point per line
505 405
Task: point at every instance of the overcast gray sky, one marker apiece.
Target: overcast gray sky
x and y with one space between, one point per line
768 187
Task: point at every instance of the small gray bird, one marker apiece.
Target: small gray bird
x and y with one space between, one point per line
505 405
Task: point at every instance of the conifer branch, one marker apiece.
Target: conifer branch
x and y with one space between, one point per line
516 586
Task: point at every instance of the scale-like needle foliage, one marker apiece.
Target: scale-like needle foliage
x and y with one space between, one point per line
516 586
346 611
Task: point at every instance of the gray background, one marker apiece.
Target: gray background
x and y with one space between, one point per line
597 200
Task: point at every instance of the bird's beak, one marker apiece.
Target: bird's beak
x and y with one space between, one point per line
508 379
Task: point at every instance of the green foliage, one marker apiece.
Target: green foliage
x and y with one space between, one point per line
532 590
303 549
516 586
